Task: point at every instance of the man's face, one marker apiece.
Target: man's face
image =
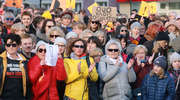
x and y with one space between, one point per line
66 21
26 20
27 45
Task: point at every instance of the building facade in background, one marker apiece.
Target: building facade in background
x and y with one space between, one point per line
163 6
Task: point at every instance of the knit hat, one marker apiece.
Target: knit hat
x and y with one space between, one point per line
39 44
60 40
172 23
71 35
135 24
161 62
174 57
162 36
66 14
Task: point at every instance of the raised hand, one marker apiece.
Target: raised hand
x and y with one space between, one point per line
91 67
130 63
151 58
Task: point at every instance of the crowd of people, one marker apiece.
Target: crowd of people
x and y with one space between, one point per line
132 58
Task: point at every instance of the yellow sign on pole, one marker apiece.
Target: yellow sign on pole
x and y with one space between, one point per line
64 4
90 8
147 8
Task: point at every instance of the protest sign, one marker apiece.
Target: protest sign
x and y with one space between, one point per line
104 13
147 8
13 3
90 8
51 55
63 4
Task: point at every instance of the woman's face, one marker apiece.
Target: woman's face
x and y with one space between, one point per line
113 51
78 48
53 36
87 36
97 58
163 44
20 31
11 47
101 38
123 31
61 47
123 43
49 24
157 69
171 28
135 30
91 45
176 64
40 24
66 21
141 54
41 52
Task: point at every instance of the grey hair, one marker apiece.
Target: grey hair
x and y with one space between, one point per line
57 29
7 14
113 41
101 32
84 33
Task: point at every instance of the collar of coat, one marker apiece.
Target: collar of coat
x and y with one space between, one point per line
4 56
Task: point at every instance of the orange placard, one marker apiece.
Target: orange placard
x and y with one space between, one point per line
13 3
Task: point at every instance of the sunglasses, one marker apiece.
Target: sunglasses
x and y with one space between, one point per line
41 50
78 46
113 50
13 45
49 26
124 31
94 22
9 19
52 36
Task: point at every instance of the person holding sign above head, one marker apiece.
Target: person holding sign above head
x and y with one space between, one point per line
44 77
77 69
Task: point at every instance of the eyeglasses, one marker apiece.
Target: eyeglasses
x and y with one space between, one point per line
41 50
49 26
52 36
124 31
113 50
13 45
9 19
94 22
61 45
79 46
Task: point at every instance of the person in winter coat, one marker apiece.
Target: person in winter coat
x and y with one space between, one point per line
115 73
43 77
14 82
158 85
78 71
174 71
142 66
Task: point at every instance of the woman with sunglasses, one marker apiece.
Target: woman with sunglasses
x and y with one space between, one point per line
78 71
115 73
14 83
43 77
43 33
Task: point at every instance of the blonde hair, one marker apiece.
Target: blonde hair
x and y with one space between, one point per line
101 32
55 29
95 52
17 26
79 24
161 74
139 47
85 33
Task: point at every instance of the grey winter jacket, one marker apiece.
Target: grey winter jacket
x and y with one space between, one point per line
116 79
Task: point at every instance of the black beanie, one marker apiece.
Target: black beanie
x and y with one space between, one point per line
162 36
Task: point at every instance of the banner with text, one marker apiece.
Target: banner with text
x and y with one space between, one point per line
104 13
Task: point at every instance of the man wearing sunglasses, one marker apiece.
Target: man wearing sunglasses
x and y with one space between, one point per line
14 83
